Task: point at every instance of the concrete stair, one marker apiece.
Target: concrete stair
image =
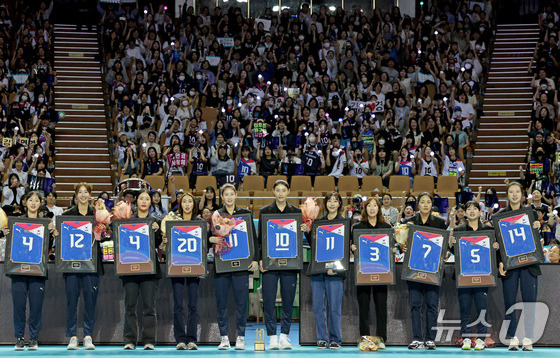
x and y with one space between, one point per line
81 138
501 144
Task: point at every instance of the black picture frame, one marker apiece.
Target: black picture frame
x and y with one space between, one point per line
147 267
288 262
377 277
186 270
477 280
431 277
510 259
238 265
20 267
76 266
341 265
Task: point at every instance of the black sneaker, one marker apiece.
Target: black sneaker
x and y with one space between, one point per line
33 345
430 345
334 345
20 345
416 345
322 345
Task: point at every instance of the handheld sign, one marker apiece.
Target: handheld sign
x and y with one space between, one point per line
186 248
374 260
282 242
134 247
27 246
76 248
242 247
330 246
424 258
475 261
520 244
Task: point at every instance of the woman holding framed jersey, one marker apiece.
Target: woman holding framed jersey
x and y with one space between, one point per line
270 278
419 292
238 281
372 218
524 278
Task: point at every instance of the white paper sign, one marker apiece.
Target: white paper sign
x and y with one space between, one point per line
225 41
213 60
265 22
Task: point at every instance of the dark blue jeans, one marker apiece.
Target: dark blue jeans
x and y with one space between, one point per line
22 288
75 283
327 289
240 284
192 309
288 282
417 293
520 277
466 296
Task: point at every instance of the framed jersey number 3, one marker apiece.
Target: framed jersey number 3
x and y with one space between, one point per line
134 247
374 259
27 246
520 244
76 250
282 242
423 261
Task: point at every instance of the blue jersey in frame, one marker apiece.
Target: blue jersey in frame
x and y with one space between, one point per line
475 256
76 241
134 242
330 243
238 241
27 243
186 245
517 235
374 253
425 252
282 238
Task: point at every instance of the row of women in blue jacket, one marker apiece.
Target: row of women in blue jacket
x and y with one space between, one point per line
326 288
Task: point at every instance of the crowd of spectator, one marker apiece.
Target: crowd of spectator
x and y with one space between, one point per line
27 78
340 92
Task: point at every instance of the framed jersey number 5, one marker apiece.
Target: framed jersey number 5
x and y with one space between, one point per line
475 260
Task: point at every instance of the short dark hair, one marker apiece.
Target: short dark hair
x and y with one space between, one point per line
53 194
281 182
472 203
426 194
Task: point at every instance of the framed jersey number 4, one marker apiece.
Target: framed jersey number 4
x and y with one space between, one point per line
134 247
374 260
282 242
423 261
27 246
520 244
76 249
475 261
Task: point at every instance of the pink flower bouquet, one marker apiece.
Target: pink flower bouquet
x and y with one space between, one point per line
102 220
309 212
122 210
221 227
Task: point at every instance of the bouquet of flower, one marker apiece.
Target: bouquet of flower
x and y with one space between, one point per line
172 216
102 221
122 210
401 235
309 212
221 227
369 343
3 219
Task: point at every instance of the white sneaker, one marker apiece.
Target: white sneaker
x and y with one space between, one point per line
181 346
380 345
149 347
224 345
129 346
513 344
240 343
88 343
73 344
479 345
284 342
273 345
527 344
466 345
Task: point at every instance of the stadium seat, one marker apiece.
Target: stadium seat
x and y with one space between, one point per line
347 184
272 179
372 184
300 183
324 185
182 182
204 181
156 181
398 184
447 185
423 183
253 183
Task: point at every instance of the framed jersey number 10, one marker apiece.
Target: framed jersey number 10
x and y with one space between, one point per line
282 242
